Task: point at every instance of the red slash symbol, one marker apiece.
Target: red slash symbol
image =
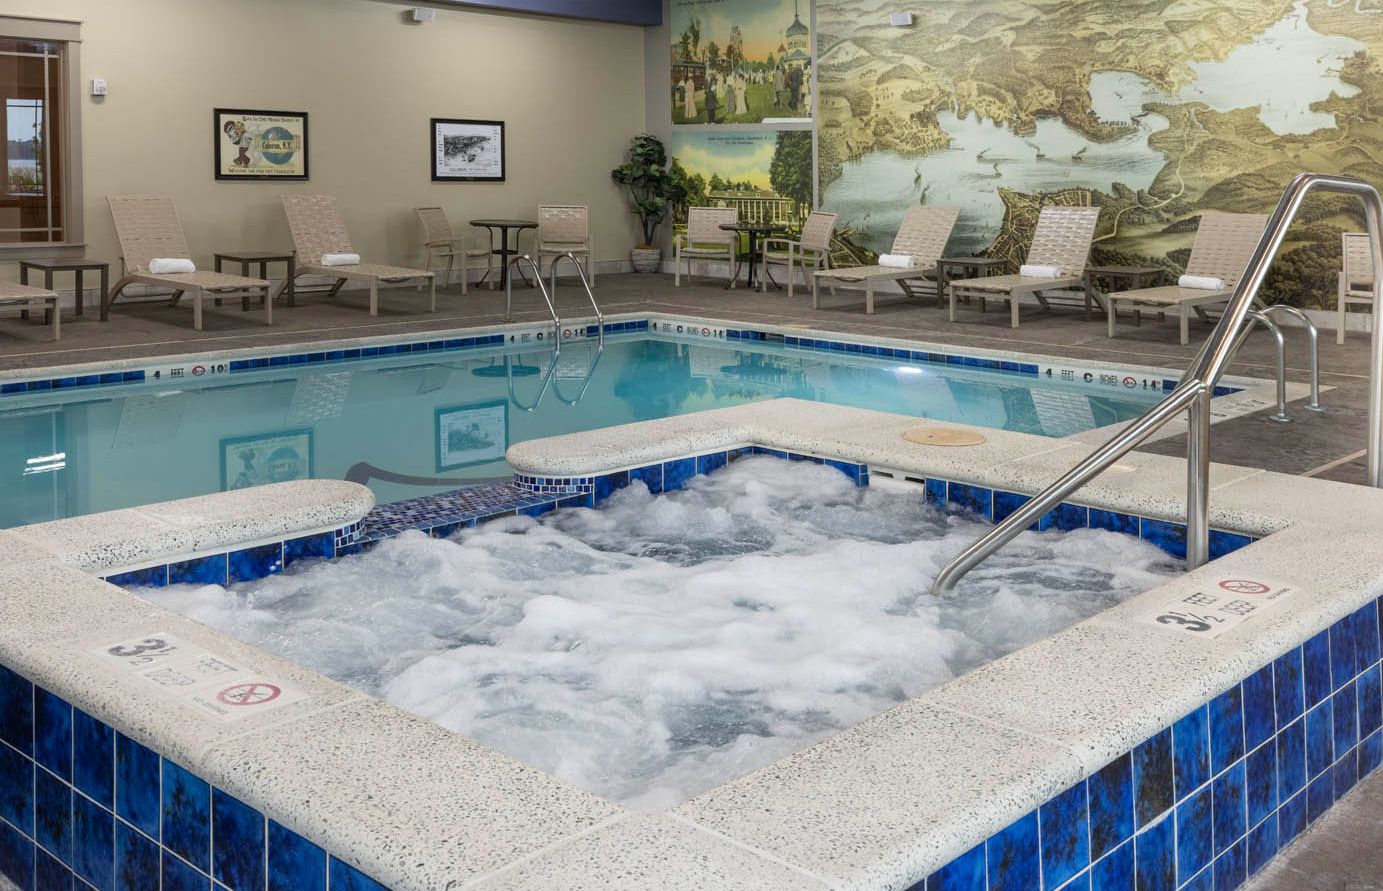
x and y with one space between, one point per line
253 693
1244 586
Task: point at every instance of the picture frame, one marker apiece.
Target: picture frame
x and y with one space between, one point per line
467 435
263 458
257 145
467 151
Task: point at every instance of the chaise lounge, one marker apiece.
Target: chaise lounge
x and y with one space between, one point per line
922 236
26 297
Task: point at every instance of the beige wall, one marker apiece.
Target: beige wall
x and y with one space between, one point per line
571 94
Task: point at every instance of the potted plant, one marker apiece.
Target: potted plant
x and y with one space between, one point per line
651 190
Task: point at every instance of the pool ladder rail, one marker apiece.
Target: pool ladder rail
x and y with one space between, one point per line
550 296
1194 391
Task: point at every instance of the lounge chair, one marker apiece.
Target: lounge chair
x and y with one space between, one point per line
148 228
1224 243
705 240
1062 242
922 236
319 231
565 229
1357 277
811 252
441 241
26 297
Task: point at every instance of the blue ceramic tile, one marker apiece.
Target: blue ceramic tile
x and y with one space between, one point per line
1079 883
935 491
1320 739
1370 701
976 499
1005 503
1114 872
1346 718
50 874
1344 773
1013 856
16 858
1342 668
850 470
1152 777
1222 543
1320 795
1260 779
17 789
538 510
1170 537
1259 721
53 733
651 476
255 563
347 878
1316 667
1203 881
16 711
1226 729
186 815
53 815
1194 829
1291 818
965 873
1291 760
237 858
1370 753
322 545
149 577
1154 857
136 860
295 864
1229 869
137 784
178 876
1262 845
1111 806
606 485
1191 751
676 473
1229 796
1364 630
199 571
93 843
1287 688
93 758
1065 836
1065 517
711 462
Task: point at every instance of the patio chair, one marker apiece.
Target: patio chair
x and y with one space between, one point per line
1224 243
922 235
566 229
705 240
148 228
1061 244
1357 277
26 297
811 252
318 231
441 241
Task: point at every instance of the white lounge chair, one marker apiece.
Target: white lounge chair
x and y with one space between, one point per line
811 252
27 297
705 240
566 229
922 235
1357 277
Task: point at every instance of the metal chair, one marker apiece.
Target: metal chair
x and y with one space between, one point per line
811 251
705 240
1357 277
565 229
441 241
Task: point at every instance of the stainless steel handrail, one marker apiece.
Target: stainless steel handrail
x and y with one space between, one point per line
538 280
542 387
585 283
1193 393
585 381
1313 345
1279 351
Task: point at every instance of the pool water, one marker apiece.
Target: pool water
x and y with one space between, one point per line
410 426
659 646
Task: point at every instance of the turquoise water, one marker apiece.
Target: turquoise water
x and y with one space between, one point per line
410 426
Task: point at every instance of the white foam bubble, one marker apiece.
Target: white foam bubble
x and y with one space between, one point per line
660 646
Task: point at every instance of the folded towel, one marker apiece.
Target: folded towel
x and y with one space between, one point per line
340 259
898 261
1202 282
1038 271
169 265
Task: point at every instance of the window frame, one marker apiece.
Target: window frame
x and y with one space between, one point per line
69 147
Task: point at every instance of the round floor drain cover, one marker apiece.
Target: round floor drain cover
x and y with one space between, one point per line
944 436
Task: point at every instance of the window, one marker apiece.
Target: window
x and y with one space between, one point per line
39 200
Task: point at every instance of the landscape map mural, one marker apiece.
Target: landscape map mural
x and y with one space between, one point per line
1151 109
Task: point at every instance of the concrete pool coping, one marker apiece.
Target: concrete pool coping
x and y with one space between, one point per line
418 807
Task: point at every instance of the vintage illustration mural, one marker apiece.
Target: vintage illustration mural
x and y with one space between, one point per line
765 175
1154 112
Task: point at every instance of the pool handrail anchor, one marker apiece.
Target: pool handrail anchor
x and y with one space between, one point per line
1196 387
585 283
538 281
1257 316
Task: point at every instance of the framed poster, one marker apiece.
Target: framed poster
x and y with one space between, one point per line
260 145
472 434
265 458
467 151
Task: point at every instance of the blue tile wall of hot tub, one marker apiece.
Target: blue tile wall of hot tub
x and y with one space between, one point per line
1209 800
83 806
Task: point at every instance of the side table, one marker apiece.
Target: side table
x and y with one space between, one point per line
263 258
51 265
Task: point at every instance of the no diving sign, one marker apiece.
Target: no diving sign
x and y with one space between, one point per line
1215 608
198 677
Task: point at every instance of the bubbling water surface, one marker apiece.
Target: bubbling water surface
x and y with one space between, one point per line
662 645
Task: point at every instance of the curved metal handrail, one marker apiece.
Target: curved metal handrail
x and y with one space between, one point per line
542 388
585 283
585 381
538 280
1196 387
1312 343
1280 352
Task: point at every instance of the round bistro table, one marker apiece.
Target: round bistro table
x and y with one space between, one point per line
503 250
754 230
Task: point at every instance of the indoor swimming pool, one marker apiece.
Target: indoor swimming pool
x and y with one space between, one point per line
409 425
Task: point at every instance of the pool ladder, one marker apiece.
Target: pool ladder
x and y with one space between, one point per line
1194 391
550 297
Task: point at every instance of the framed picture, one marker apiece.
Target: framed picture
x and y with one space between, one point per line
260 145
472 434
265 458
467 151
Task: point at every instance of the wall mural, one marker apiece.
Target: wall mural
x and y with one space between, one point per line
740 61
765 175
1152 111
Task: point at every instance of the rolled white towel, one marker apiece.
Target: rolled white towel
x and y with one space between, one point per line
1202 282
170 265
341 259
1036 270
898 261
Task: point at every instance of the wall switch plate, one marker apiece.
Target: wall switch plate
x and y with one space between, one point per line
423 14
98 86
